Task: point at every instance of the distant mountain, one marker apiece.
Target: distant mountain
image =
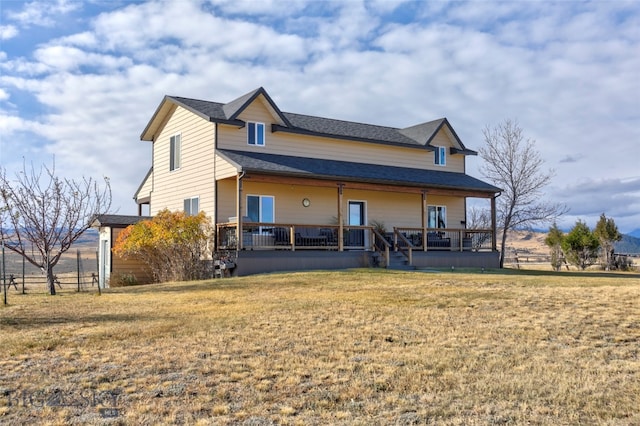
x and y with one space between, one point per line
628 244
635 233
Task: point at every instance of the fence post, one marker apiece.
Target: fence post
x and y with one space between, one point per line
78 267
23 271
4 275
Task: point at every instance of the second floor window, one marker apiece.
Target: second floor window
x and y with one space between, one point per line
191 206
255 134
440 156
174 152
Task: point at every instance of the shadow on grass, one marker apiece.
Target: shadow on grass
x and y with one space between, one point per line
180 287
543 273
235 283
70 319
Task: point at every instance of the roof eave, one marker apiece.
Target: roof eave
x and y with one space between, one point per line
145 135
453 151
467 190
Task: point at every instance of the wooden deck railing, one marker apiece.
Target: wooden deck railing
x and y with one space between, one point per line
279 236
444 239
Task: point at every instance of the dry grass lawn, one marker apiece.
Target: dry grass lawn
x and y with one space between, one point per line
355 347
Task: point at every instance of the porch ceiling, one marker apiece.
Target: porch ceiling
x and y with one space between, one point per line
280 168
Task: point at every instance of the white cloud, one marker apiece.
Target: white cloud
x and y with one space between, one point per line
572 84
7 32
43 13
278 8
617 198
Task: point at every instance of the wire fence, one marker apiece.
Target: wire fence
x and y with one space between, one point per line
76 271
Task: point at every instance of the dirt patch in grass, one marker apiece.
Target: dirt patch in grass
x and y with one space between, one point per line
353 347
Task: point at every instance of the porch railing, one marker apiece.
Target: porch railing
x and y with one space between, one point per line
277 236
444 239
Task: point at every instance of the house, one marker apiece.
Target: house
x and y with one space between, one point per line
290 191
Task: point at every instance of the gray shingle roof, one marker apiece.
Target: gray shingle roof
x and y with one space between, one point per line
117 220
360 172
414 136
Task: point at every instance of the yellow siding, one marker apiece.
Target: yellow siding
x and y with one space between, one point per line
288 202
231 137
195 177
403 210
393 209
455 163
201 168
224 169
227 195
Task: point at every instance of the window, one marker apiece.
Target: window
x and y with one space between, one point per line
191 206
260 208
255 134
174 152
436 217
440 156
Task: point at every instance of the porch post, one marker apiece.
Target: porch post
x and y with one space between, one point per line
340 226
424 220
239 239
494 226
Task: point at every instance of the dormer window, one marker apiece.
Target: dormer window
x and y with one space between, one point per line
255 134
440 156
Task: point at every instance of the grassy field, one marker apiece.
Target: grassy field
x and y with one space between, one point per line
355 347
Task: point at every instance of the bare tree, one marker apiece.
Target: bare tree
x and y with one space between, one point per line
513 164
43 214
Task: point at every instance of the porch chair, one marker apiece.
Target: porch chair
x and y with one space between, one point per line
281 236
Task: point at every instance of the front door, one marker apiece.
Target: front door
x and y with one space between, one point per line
357 217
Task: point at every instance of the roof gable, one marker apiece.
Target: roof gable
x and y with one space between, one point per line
425 133
233 109
418 136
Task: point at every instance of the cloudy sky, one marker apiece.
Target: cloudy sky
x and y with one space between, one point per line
80 79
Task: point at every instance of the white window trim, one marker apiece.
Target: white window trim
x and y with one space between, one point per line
171 153
264 133
190 199
260 197
444 208
440 154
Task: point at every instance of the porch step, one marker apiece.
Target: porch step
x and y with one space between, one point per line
398 262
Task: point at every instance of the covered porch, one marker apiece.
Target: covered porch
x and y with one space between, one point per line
283 208
286 247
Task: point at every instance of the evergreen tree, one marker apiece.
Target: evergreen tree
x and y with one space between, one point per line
554 241
581 246
607 233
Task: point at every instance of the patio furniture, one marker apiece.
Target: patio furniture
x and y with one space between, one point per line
436 241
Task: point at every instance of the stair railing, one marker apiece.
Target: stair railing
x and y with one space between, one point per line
381 245
403 245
